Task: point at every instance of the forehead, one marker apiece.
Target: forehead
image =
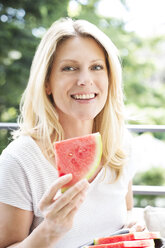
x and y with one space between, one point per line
79 46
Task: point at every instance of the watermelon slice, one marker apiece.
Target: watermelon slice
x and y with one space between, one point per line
127 237
79 156
127 244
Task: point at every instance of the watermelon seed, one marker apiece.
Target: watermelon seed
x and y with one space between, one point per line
70 154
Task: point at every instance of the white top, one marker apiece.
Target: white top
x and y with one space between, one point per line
25 175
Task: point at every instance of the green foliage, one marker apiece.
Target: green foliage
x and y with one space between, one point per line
148 200
22 24
154 176
5 138
21 27
144 84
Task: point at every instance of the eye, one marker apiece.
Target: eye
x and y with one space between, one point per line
97 67
68 68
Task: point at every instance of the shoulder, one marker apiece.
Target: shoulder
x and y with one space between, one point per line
19 146
24 155
23 142
19 152
14 174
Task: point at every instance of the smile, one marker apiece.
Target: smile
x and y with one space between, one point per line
83 96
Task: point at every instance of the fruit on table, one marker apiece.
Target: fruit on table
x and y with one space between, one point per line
127 237
127 244
79 156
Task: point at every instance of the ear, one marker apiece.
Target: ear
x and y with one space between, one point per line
48 89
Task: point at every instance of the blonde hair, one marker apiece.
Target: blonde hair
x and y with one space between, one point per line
39 118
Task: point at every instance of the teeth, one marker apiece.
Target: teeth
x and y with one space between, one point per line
83 96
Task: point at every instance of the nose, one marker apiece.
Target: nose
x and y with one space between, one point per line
84 78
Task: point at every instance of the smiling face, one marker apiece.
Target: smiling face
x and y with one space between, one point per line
79 79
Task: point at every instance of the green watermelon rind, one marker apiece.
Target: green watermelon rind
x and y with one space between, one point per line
98 157
96 162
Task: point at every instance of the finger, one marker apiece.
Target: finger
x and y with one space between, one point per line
139 227
51 192
69 195
74 203
73 212
130 224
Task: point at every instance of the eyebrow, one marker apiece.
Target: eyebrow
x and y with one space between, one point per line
75 61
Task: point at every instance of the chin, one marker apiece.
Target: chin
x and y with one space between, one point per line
85 117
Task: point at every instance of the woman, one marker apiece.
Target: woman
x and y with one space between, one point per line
74 89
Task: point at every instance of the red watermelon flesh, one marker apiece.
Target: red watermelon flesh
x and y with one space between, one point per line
127 244
79 156
127 237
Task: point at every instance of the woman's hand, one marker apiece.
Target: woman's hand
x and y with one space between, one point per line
59 213
136 226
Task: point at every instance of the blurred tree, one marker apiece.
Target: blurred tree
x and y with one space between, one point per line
143 89
22 24
154 176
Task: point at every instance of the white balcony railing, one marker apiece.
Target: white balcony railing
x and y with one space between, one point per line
137 189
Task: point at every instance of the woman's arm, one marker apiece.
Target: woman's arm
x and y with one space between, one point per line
129 197
58 217
14 224
132 221
129 203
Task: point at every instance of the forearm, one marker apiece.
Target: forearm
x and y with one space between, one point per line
130 216
14 245
41 237
58 215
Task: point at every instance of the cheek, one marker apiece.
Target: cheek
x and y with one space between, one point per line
57 89
104 85
60 94
56 94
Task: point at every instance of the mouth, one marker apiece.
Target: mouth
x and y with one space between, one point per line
84 96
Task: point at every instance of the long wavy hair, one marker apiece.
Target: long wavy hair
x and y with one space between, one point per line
39 118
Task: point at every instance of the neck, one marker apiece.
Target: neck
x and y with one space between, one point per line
75 128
